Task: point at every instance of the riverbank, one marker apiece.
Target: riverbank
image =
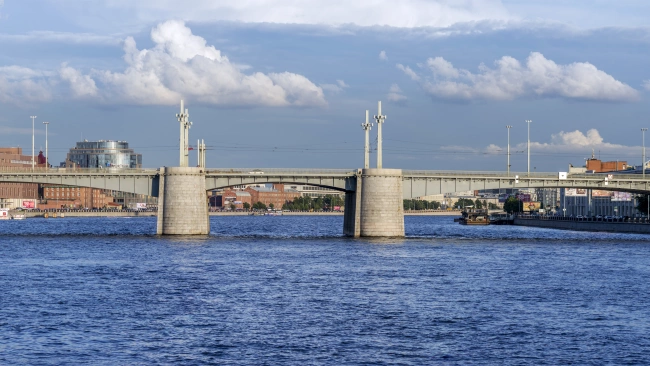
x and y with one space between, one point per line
32 214
615 227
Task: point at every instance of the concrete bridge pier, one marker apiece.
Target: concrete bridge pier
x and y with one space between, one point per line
377 205
182 202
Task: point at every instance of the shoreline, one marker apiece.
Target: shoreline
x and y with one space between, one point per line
154 213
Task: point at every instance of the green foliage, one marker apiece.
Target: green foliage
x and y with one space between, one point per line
464 202
493 206
233 207
271 206
478 204
317 203
421 205
512 205
259 206
247 206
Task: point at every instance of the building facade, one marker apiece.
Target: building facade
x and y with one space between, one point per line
103 154
277 195
59 196
15 195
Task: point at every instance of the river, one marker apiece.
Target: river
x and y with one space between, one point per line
293 291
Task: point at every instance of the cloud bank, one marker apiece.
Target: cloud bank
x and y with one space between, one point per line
510 79
571 142
404 13
179 65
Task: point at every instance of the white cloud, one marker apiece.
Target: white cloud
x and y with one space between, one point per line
646 84
20 85
335 88
539 77
409 72
60 37
395 94
80 85
383 56
404 13
571 142
180 65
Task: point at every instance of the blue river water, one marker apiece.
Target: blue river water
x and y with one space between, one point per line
293 291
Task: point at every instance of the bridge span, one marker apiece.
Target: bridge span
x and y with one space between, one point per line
373 197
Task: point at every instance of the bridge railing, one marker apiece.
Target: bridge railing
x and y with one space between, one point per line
524 175
278 171
56 170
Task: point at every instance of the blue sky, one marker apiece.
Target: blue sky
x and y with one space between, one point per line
281 83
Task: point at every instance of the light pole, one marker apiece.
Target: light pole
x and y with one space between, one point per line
528 121
33 118
643 130
47 156
508 127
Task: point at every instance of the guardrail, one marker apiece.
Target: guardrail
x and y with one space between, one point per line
43 170
279 171
521 175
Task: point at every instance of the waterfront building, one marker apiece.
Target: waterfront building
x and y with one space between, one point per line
60 196
587 202
314 191
103 154
15 195
276 195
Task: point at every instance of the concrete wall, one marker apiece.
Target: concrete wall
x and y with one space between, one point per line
382 210
617 227
183 202
352 218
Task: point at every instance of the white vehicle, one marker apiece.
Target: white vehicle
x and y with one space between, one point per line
256 171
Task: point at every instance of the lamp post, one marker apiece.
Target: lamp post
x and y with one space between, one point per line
528 148
47 155
508 127
643 130
33 118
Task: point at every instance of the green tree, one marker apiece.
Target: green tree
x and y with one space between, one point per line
512 204
464 202
247 206
478 204
272 206
232 206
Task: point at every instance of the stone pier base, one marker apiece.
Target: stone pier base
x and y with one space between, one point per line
182 202
382 207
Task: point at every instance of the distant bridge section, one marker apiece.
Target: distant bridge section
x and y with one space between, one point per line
418 183
139 181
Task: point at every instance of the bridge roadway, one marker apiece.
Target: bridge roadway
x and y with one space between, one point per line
416 183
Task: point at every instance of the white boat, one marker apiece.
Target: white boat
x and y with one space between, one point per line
18 217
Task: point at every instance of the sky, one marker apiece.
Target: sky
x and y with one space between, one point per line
286 83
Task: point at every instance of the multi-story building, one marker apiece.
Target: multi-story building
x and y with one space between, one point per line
229 197
276 195
314 191
587 202
103 154
14 195
58 196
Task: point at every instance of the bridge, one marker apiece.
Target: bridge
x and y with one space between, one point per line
373 197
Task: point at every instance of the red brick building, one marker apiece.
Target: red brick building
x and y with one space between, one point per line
605 166
276 195
230 197
14 194
74 197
